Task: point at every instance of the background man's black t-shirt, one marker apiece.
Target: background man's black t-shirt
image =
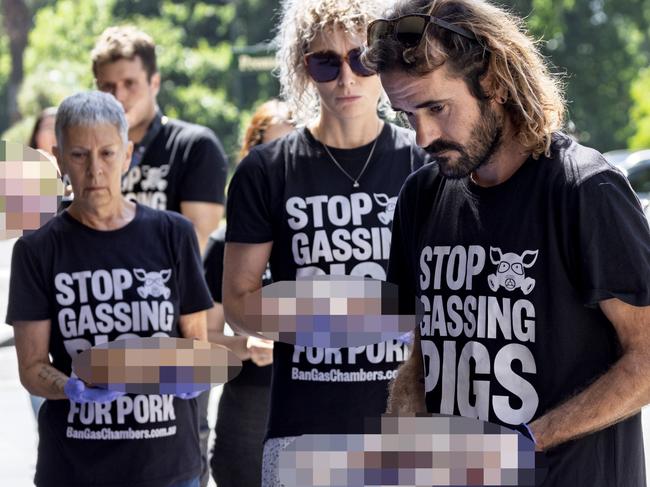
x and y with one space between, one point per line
251 374
184 162
96 287
290 192
510 278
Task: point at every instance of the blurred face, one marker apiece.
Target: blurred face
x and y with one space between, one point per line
45 136
126 80
275 131
94 158
349 95
461 132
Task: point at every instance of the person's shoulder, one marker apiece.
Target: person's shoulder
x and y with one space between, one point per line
272 156
574 164
166 220
423 180
403 139
188 132
401 135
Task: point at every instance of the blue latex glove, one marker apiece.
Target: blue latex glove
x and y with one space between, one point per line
193 394
525 430
188 395
78 391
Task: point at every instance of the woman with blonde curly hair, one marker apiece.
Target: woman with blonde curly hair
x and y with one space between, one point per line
319 201
529 252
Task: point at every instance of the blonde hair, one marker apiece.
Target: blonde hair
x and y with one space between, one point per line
301 22
503 57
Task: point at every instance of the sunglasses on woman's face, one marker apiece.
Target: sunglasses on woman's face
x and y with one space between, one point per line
324 66
409 29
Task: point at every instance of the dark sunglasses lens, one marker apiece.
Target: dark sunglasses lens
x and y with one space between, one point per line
354 56
323 66
377 30
409 30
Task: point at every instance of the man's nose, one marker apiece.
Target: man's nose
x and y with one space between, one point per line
121 93
426 131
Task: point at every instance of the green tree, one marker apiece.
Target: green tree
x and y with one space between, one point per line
201 81
600 45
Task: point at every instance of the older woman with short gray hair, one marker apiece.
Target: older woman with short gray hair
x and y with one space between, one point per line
74 284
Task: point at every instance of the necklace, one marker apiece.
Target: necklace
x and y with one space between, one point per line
355 181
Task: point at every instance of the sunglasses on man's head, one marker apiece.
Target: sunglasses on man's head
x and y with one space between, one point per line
324 66
409 29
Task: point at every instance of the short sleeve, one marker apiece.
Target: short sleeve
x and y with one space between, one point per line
248 210
614 241
400 263
206 168
213 265
194 295
29 299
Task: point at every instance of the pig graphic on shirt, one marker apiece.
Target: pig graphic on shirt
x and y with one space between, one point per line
510 270
153 283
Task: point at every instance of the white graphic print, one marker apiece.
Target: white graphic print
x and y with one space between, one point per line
510 270
386 216
95 306
154 283
154 178
330 232
146 185
476 348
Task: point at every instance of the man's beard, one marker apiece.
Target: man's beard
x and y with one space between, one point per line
484 140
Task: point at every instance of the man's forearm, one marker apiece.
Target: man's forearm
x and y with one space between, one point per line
616 395
44 380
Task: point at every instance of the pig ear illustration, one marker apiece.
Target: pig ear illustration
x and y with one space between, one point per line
140 274
529 257
381 198
495 255
166 274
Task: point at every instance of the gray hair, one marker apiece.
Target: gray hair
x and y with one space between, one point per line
90 108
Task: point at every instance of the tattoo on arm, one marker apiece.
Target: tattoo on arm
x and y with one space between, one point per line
52 379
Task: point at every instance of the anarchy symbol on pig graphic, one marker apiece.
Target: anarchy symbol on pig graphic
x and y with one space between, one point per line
154 283
154 178
510 270
386 216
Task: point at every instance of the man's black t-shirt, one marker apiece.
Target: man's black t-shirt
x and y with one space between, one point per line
290 192
510 278
251 374
183 162
96 287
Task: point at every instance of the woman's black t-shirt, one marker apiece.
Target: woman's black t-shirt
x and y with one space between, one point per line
291 192
96 287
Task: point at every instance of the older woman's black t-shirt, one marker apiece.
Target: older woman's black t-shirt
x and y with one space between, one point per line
95 287
291 193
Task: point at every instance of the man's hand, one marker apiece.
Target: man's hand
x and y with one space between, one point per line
78 391
260 351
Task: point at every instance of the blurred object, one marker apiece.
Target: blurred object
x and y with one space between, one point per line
31 189
156 365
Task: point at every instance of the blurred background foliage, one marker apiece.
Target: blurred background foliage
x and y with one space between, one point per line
209 58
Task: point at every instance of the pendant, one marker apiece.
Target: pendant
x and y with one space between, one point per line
355 185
